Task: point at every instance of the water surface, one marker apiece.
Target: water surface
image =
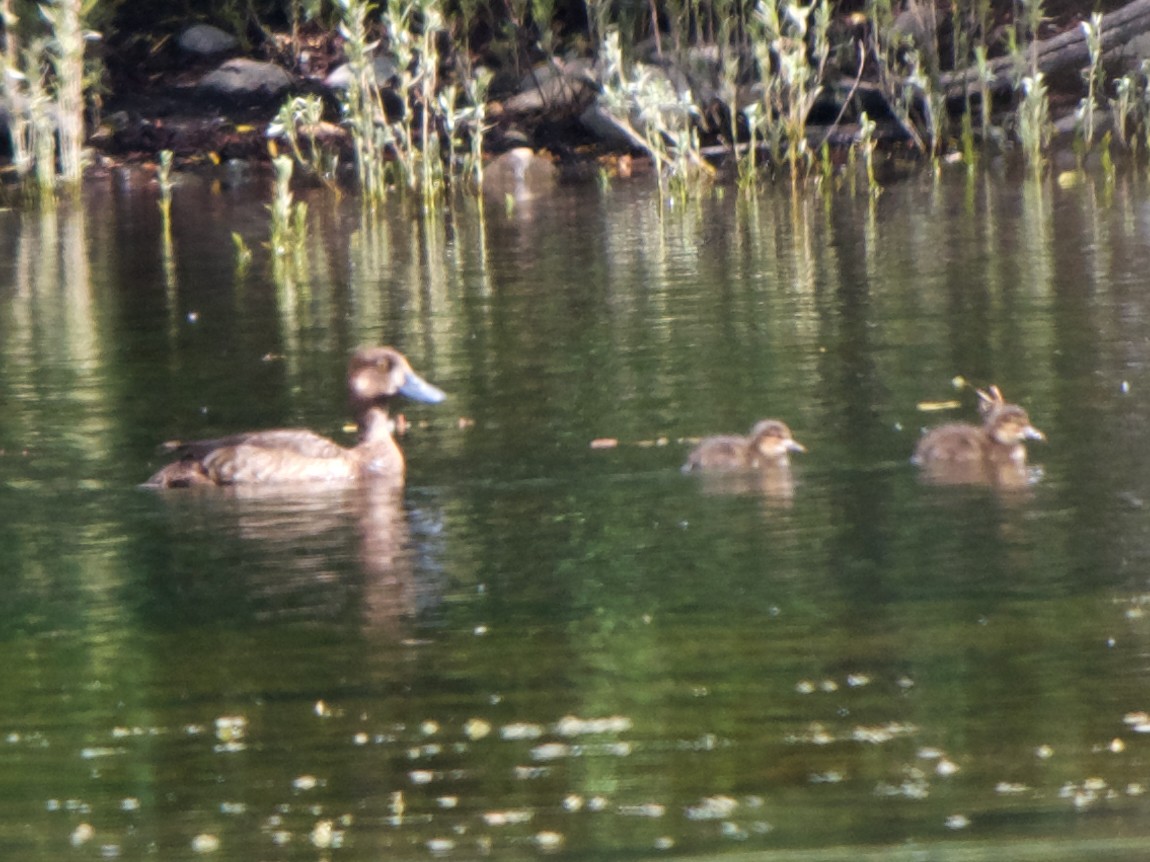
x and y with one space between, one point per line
541 648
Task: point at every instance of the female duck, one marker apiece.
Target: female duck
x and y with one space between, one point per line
767 447
995 453
374 376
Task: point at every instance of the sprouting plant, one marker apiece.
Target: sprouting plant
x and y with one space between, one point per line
664 118
1122 105
298 122
791 75
66 53
866 144
1034 120
243 253
985 77
164 178
362 103
1093 76
288 218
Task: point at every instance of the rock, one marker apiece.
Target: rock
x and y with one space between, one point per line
204 40
246 82
382 66
519 174
557 88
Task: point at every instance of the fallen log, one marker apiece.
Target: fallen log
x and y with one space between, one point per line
1066 51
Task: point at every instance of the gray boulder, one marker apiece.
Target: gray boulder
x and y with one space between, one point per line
246 82
204 40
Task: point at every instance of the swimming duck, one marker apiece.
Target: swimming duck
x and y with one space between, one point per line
374 376
767 447
994 453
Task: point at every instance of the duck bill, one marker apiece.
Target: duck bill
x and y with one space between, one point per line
418 389
1032 433
795 446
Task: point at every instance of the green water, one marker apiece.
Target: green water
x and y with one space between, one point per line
545 649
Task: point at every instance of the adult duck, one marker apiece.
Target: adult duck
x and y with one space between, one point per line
375 375
993 453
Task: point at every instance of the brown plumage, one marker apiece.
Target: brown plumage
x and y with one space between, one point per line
374 376
993 453
767 447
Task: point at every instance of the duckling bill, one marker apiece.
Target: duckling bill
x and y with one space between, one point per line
375 375
767 447
993 453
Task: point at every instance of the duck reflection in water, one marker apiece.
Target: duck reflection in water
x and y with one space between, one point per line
759 462
375 375
299 499
992 454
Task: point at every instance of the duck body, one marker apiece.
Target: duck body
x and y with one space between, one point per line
993 453
767 447
278 456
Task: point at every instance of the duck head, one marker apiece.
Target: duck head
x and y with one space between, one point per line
1006 423
377 374
1010 426
772 440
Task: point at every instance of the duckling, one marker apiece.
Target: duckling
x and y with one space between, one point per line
767 447
995 453
374 376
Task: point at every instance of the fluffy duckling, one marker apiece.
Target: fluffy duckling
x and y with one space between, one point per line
375 375
767 447
993 453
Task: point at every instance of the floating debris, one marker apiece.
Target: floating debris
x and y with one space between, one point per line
645 809
946 768
1116 746
912 788
231 728
551 751
130 803
1139 721
429 727
604 443
1008 788
476 728
509 817
521 730
957 821
831 777
528 773
712 808
936 406
205 842
664 842
82 834
857 680
447 802
421 776
882 733
305 782
99 751
440 846
572 803
1044 752
569 725
548 841
325 835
